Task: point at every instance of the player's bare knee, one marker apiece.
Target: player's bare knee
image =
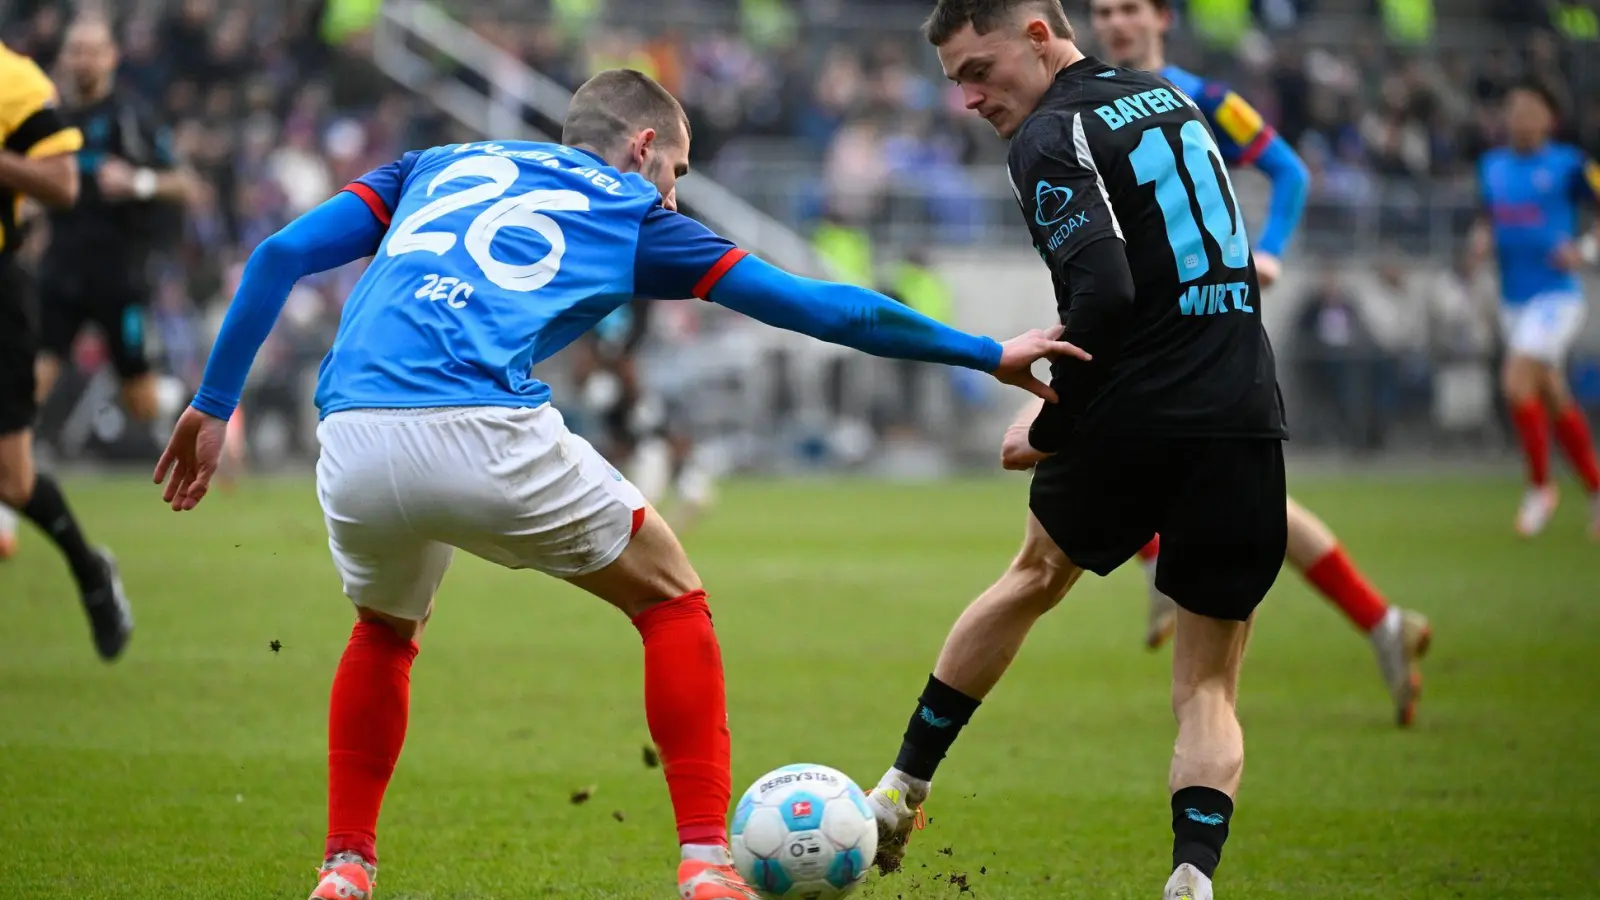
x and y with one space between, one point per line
1553 388
1041 578
1520 380
408 629
16 488
139 397
653 569
16 470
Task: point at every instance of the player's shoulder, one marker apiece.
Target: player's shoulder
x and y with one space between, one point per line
24 87
1569 154
1494 158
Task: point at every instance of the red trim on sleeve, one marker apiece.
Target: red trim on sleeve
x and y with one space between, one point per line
371 199
702 288
1258 146
638 522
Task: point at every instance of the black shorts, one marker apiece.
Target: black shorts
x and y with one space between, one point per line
1218 504
115 305
17 335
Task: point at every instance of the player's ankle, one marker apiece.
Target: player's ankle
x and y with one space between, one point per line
715 854
916 788
1200 819
942 711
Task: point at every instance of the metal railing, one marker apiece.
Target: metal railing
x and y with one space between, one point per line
425 50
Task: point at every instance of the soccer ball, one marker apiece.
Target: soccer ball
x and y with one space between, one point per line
804 832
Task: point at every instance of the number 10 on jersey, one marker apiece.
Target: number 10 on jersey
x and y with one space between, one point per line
1154 163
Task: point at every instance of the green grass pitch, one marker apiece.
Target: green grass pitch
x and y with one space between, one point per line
194 768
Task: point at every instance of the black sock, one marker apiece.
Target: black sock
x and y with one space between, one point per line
941 711
48 510
1200 817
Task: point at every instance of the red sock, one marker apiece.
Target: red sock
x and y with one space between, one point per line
686 706
1572 432
1151 550
1534 428
366 728
1340 581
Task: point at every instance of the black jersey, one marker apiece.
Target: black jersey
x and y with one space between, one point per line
1119 164
114 235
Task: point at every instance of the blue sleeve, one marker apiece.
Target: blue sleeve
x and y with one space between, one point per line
1291 182
847 315
381 188
678 258
339 231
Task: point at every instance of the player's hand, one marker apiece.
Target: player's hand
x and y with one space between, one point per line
1018 355
1268 269
1016 453
191 458
116 178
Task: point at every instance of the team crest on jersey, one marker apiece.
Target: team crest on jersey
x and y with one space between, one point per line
1050 203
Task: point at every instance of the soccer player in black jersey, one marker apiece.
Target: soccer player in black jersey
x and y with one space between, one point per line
1175 427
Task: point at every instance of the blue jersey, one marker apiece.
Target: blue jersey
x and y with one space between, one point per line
496 256
1531 202
1245 139
1242 135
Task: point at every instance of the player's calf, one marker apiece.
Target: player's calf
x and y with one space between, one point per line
980 647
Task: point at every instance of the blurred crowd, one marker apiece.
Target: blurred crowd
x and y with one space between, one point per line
273 111
1370 101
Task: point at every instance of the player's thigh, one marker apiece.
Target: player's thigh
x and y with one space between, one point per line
18 405
1544 329
1099 500
558 506
62 314
1207 653
121 318
1310 539
652 568
1225 530
385 564
1042 569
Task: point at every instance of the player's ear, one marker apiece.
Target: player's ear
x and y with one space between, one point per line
1038 32
643 144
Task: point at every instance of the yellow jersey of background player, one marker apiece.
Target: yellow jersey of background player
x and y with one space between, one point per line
38 164
37 159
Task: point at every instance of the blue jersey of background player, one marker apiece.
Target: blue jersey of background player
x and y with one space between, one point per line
1132 33
1531 191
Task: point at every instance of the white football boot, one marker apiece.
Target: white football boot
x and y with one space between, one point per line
1400 641
897 804
1538 505
1187 883
8 532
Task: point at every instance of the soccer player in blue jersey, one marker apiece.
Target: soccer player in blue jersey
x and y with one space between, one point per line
1531 192
488 258
1133 33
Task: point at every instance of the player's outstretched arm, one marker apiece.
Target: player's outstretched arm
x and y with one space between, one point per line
873 323
340 230
1291 183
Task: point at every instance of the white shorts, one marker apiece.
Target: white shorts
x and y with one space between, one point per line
401 489
1545 327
